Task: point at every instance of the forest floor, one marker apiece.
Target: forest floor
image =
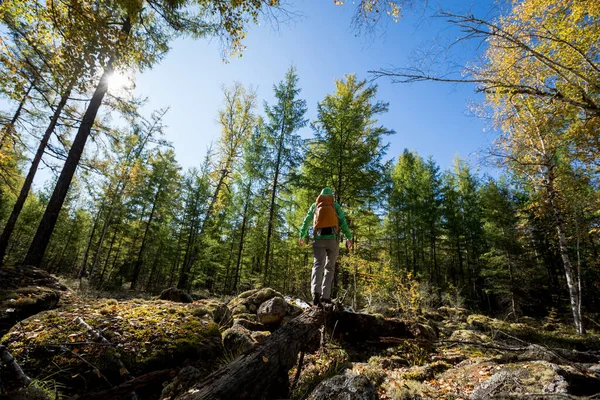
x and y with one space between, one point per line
87 346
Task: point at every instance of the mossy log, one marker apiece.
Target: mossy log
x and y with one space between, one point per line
261 372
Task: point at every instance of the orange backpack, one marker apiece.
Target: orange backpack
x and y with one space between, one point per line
325 214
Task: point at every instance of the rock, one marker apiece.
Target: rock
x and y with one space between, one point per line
293 310
434 315
481 322
250 325
249 301
263 295
247 317
144 336
219 312
345 387
453 313
272 311
176 295
419 373
425 331
238 309
237 340
492 385
392 362
464 335
186 378
24 292
558 385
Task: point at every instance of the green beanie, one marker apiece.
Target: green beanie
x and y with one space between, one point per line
327 191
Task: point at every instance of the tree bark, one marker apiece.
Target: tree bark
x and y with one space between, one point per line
16 211
273 197
572 285
138 263
187 267
262 372
46 227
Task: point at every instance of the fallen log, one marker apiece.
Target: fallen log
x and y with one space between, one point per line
359 328
261 372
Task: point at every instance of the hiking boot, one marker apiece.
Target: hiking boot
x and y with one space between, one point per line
316 299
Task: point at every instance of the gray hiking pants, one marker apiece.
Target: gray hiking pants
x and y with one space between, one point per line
325 252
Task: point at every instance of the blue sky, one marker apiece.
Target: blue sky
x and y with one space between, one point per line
429 118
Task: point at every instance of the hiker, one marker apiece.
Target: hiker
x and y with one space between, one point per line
327 217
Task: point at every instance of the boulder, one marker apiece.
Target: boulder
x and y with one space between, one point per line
453 313
24 292
272 311
219 312
345 387
250 301
143 336
425 332
237 340
176 295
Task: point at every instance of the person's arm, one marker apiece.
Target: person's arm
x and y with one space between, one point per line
307 221
343 222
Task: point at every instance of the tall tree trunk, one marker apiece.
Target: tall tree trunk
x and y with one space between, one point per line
46 227
138 263
14 215
274 196
121 185
572 280
187 267
83 267
242 236
110 247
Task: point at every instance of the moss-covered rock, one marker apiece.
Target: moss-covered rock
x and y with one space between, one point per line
390 362
24 292
143 336
250 325
483 323
419 373
272 311
219 312
425 332
465 335
249 301
237 339
453 313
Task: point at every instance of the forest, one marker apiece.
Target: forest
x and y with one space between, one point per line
120 215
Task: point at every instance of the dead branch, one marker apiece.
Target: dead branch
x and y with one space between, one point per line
10 362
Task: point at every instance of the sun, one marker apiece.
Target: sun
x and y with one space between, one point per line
118 81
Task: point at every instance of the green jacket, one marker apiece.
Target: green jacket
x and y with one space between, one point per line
309 219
